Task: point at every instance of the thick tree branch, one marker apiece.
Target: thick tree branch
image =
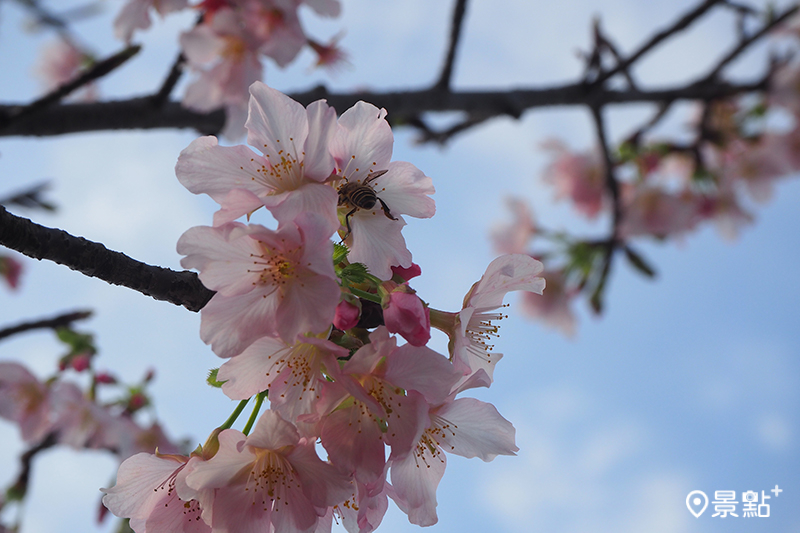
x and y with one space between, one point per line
59 321
140 113
95 260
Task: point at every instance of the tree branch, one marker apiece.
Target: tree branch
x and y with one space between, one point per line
59 321
443 84
140 113
95 260
98 70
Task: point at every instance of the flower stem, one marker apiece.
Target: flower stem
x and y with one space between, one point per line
256 408
234 415
366 295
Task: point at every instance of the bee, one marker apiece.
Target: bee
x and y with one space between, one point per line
361 196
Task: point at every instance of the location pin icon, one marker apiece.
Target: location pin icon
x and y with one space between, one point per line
697 501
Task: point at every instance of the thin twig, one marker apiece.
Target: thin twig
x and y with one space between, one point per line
443 84
30 198
98 70
162 96
612 185
678 26
60 321
95 260
746 42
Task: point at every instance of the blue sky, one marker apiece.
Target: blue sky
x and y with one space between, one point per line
687 382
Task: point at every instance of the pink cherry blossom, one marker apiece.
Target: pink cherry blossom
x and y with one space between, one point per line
148 491
362 148
224 53
288 179
25 400
82 423
466 427
513 238
384 391
291 373
472 330
650 210
135 15
579 177
270 479
362 512
61 61
552 306
268 282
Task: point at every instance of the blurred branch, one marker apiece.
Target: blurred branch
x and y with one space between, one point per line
97 70
95 260
30 198
139 113
162 96
59 321
443 84
745 42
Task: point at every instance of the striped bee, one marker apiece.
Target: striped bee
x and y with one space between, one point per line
361 196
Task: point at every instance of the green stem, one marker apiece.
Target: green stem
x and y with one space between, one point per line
366 295
256 408
234 415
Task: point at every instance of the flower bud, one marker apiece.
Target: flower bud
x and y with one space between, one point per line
404 313
347 313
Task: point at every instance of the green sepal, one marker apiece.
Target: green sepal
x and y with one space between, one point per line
639 263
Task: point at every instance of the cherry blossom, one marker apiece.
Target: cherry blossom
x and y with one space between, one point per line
553 305
472 329
291 373
61 61
272 478
288 179
384 391
135 15
362 148
148 491
268 282
464 426
25 400
577 176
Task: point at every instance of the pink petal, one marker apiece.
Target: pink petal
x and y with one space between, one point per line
480 430
277 125
406 190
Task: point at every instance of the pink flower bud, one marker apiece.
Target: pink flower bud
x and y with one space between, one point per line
407 274
80 362
10 269
105 378
347 315
407 315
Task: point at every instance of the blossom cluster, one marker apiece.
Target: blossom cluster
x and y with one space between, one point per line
58 411
226 47
666 189
331 334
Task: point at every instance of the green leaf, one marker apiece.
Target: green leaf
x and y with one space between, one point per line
340 252
639 263
212 378
354 273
